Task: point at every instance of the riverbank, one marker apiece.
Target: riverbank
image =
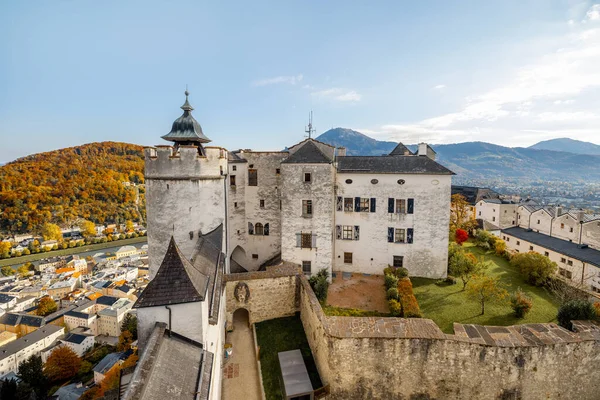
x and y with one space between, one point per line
17 261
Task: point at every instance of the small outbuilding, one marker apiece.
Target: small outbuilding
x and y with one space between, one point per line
296 381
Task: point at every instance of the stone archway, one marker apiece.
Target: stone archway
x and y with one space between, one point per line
238 259
241 317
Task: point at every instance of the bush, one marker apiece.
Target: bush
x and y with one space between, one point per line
575 310
398 272
320 284
597 307
536 268
520 303
395 308
408 301
485 240
392 294
460 236
390 282
500 247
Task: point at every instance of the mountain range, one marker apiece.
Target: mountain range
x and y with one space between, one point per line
480 160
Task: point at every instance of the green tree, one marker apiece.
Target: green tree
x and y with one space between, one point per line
575 310
520 303
62 364
125 340
130 324
51 232
7 271
88 229
486 289
320 284
464 265
536 268
46 306
31 371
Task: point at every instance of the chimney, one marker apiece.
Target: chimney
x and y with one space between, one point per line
426 150
559 210
580 215
341 151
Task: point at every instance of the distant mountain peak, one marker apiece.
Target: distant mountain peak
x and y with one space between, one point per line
569 145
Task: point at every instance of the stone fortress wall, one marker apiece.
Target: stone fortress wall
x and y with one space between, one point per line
395 358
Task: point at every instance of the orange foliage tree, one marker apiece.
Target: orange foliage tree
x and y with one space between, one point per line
62 364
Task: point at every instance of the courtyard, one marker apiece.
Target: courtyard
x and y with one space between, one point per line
445 304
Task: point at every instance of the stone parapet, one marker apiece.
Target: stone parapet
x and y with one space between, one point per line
163 162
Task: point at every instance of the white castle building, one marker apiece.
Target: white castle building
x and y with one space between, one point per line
213 212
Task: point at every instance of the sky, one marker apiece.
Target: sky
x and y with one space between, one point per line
509 72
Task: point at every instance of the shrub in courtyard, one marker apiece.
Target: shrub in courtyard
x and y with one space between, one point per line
390 281
575 310
395 308
536 268
500 247
408 301
398 272
485 240
460 236
392 294
520 303
597 308
320 284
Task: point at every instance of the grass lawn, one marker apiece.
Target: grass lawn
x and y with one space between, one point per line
333 311
74 250
446 304
277 335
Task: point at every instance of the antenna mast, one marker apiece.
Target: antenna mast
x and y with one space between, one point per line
309 128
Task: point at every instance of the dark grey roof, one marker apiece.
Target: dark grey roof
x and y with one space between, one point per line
4 298
32 320
391 165
473 193
75 338
10 319
186 128
107 300
72 391
108 362
308 153
565 247
401 150
25 341
235 158
77 314
176 281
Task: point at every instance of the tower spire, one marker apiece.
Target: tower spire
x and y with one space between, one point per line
309 128
187 106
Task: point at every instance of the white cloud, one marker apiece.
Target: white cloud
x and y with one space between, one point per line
292 80
593 13
577 116
439 87
567 101
338 94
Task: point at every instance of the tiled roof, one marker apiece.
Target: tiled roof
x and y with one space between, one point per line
235 158
176 281
401 150
309 153
570 249
391 165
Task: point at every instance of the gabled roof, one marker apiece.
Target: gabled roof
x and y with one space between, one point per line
391 165
108 362
107 300
177 281
75 338
401 150
309 153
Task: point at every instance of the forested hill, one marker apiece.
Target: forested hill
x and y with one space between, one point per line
93 181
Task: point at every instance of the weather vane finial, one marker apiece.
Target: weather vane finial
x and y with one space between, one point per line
309 128
186 90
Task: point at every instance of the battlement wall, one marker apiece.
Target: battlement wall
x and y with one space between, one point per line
162 162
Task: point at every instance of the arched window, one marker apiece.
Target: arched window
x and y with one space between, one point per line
250 228
259 229
266 229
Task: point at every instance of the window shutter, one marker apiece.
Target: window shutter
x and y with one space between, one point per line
340 203
391 235
338 231
314 241
356 232
409 235
357 204
391 205
298 239
410 207
372 203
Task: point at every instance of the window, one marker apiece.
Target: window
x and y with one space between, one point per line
307 177
398 261
374 181
306 267
348 206
251 166
571 230
250 228
232 180
255 256
504 211
347 258
347 232
513 222
306 240
234 168
400 206
307 208
262 203
348 181
547 254
480 213
278 172
364 204
570 262
400 236
258 229
518 242
563 260
507 239
493 218
530 248
252 177
562 226
538 221
566 273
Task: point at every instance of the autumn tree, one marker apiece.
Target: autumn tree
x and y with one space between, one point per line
535 267
464 265
125 340
129 226
130 324
23 270
51 232
5 248
31 371
62 364
460 236
486 289
461 216
7 270
88 229
46 306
